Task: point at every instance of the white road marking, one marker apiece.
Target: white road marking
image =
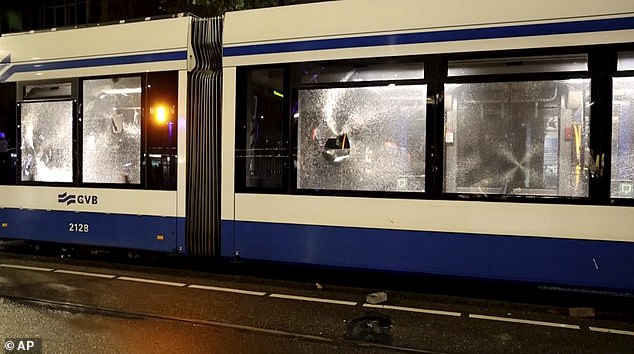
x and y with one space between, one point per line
610 330
227 290
15 266
151 281
322 300
519 320
313 299
96 275
414 309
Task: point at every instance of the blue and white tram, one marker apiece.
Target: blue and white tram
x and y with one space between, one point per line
431 137
94 132
484 140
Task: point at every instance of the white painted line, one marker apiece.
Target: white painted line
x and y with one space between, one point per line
96 275
151 281
227 290
610 330
15 266
519 320
313 299
413 309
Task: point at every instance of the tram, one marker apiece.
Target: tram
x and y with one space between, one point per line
482 140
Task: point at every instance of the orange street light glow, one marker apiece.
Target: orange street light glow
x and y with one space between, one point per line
161 114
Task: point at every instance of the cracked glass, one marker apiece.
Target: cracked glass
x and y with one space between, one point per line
112 130
362 138
46 134
622 183
518 138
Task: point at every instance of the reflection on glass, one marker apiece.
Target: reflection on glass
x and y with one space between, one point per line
321 74
519 65
364 138
625 61
8 124
112 130
622 184
47 141
518 138
261 150
160 162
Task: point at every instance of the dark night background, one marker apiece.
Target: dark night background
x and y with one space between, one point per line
26 15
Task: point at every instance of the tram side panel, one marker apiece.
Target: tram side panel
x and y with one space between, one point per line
336 159
95 136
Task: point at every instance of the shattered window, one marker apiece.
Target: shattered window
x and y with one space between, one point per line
47 141
518 138
112 130
622 184
362 138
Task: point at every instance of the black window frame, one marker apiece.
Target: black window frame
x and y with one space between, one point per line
21 99
610 75
601 68
509 78
297 86
77 98
240 142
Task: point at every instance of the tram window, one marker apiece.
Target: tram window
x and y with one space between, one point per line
46 133
625 61
46 90
261 151
112 130
362 138
8 152
161 155
323 74
517 138
518 65
622 183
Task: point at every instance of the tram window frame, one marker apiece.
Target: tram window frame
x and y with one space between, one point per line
116 126
41 92
160 91
165 92
600 68
499 74
624 70
163 98
9 148
364 73
274 153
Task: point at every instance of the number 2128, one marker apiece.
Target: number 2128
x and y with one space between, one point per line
73 227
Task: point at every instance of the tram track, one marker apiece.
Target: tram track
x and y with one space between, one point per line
91 310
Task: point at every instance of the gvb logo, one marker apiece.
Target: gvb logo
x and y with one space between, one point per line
69 199
66 198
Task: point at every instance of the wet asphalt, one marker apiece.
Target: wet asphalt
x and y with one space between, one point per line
149 306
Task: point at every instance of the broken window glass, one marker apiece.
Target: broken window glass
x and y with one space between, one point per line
622 184
362 138
47 141
112 130
518 138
